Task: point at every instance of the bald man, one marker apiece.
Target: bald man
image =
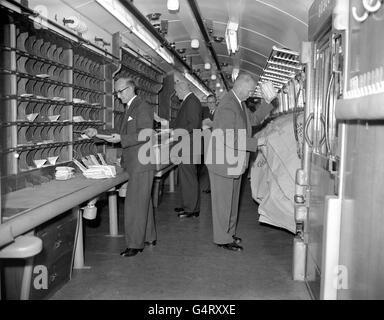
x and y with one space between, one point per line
189 118
225 176
139 218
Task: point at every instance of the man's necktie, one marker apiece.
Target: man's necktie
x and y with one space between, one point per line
244 106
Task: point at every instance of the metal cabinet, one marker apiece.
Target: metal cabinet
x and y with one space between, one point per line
324 87
361 254
55 260
57 255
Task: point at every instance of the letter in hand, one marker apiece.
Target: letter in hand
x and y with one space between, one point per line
207 123
115 138
90 132
157 118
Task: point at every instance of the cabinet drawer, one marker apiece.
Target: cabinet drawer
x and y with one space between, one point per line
58 239
58 274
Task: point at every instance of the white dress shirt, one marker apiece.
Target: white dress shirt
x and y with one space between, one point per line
187 96
130 101
241 105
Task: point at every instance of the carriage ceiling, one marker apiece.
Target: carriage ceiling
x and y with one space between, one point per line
262 25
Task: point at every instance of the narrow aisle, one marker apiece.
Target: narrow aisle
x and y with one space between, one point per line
185 264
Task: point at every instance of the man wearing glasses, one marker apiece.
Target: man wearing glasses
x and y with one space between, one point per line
139 222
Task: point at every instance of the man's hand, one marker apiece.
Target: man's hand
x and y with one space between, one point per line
207 123
115 138
90 132
157 118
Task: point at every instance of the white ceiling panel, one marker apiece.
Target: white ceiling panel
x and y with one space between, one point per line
262 24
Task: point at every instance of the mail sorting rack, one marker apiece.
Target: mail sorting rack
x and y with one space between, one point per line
284 70
36 68
47 80
148 80
88 98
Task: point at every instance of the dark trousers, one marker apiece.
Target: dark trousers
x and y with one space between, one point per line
190 190
139 220
225 194
204 178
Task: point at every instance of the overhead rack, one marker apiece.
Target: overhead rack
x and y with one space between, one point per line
282 66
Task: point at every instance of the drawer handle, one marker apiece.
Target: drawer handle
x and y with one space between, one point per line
58 244
53 277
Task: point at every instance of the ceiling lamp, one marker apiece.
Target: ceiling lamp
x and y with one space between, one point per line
195 44
116 9
235 74
231 37
221 90
173 5
154 16
207 66
213 77
218 39
218 85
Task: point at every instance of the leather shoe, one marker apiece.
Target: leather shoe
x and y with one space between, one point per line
237 240
150 243
179 209
233 246
188 214
129 252
207 191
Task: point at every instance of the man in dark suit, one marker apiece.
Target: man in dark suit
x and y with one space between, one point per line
208 114
139 221
188 118
232 119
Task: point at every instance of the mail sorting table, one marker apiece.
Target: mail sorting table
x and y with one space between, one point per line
26 210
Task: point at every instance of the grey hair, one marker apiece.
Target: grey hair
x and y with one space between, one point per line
183 84
128 82
244 77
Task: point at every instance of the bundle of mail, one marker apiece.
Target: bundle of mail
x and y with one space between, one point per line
92 169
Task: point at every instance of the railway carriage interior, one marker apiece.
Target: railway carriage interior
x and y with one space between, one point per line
310 207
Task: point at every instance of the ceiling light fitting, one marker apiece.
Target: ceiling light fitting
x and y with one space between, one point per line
116 9
218 39
154 16
235 74
231 37
173 5
195 44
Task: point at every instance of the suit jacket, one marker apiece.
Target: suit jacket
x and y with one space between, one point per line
137 117
207 114
189 118
230 115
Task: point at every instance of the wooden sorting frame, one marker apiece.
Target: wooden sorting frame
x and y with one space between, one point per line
54 88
